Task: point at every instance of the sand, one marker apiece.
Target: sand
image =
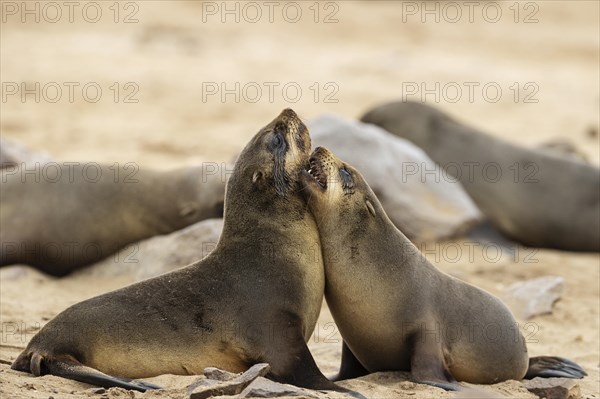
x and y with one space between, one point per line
175 53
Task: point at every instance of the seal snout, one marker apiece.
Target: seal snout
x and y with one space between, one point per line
289 122
288 113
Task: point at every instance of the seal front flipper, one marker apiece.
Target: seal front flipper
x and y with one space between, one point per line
305 373
427 364
551 366
68 367
350 366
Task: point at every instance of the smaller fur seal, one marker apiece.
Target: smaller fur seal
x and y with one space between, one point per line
254 299
394 309
534 196
59 217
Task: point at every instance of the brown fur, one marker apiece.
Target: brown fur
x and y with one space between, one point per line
61 226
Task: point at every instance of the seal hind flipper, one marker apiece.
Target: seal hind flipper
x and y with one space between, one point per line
74 370
350 367
68 367
553 366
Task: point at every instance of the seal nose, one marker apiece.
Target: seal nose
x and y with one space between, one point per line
288 113
321 152
289 123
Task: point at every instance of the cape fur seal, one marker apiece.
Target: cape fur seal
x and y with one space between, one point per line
255 299
534 196
59 217
394 309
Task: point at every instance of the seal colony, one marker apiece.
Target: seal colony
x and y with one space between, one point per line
254 299
82 214
295 226
437 327
534 196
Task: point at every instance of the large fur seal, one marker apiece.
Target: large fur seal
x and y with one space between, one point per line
59 217
394 309
534 196
256 298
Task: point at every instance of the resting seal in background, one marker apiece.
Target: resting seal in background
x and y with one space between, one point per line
62 216
441 329
426 210
540 199
159 254
256 298
13 154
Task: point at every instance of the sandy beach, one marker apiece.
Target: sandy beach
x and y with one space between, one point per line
178 83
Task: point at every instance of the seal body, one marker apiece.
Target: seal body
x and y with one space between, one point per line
254 299
394 309
59 217
534 196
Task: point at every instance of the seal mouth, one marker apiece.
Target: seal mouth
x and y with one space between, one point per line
316 172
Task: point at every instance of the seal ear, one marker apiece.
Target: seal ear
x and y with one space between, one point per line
256 176
370 207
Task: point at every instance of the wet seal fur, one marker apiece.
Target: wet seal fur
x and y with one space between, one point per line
84 214
394 309
254 299
541 199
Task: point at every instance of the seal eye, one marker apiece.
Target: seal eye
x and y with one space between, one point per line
347 182
277 140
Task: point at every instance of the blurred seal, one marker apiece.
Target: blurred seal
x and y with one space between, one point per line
59 217
254 299
535 196
441 329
